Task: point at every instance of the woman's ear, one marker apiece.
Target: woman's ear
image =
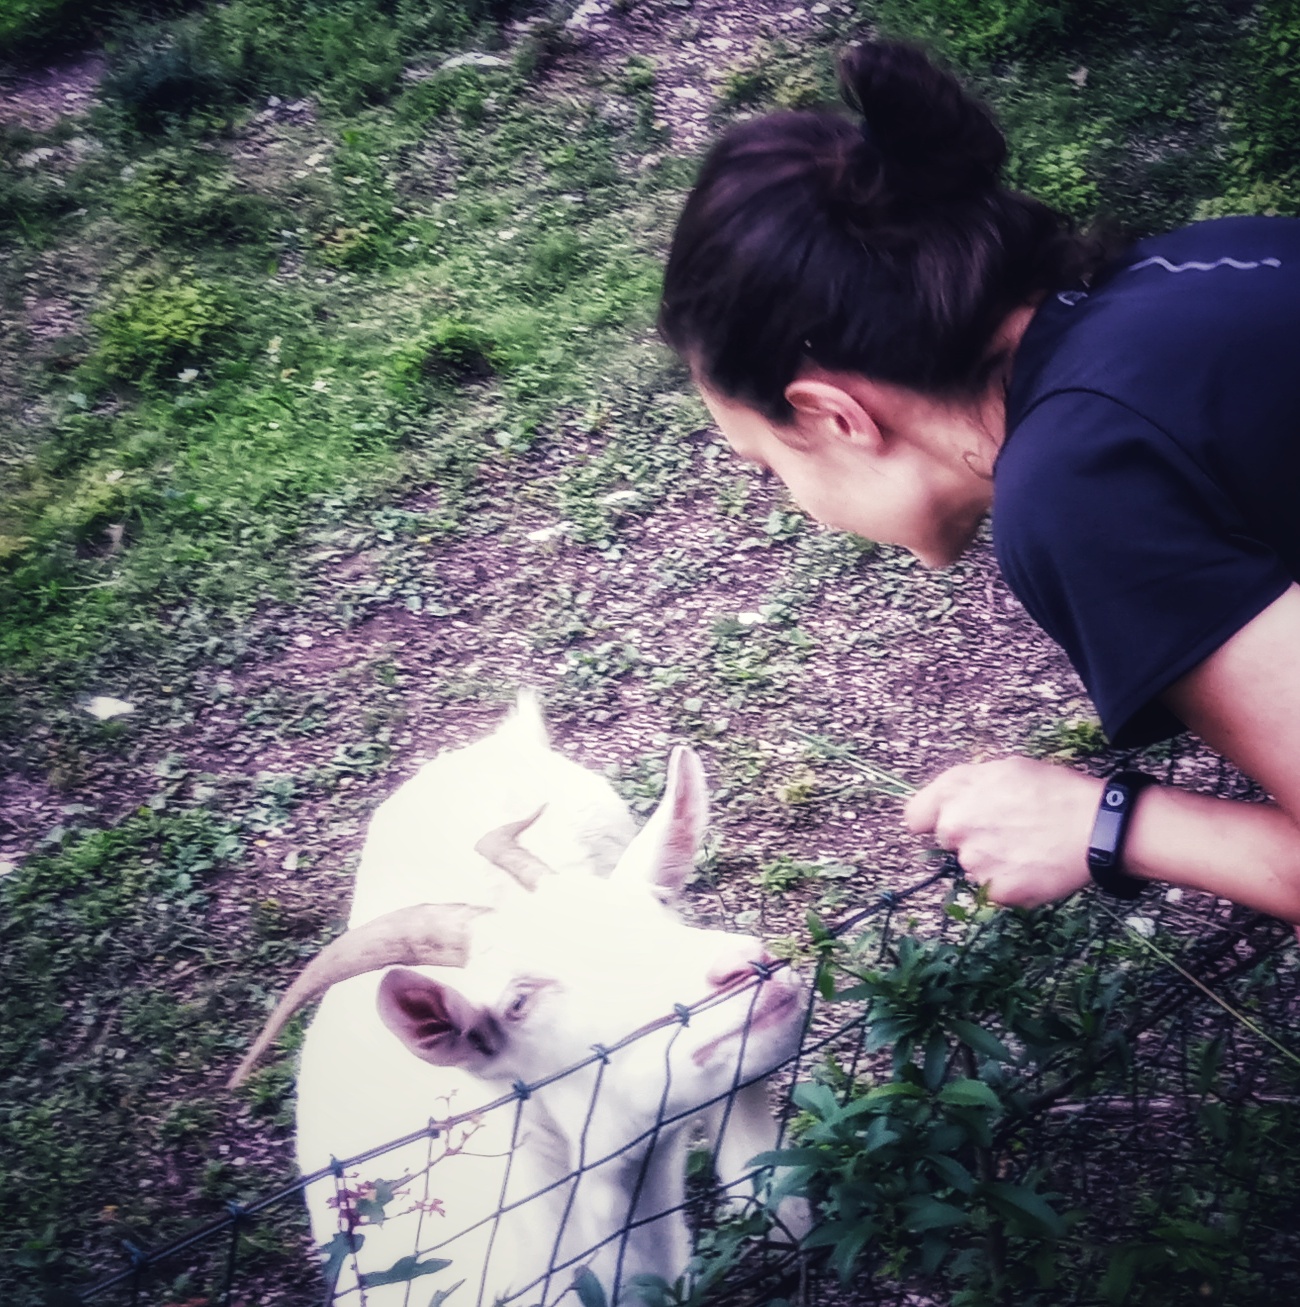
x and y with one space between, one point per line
826 412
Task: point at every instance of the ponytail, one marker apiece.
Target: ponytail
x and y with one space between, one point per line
935 142
881 242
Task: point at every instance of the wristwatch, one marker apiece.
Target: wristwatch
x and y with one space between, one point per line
1118 799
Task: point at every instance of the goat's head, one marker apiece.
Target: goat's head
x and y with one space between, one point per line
578 961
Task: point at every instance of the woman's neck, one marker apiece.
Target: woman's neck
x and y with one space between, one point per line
990 410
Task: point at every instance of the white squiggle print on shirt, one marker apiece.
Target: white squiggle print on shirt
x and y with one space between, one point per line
1160 261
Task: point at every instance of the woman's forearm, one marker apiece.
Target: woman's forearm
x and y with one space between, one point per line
1020 826
1247 852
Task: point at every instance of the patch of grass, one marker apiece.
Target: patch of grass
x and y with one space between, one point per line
185 498
1148 115
1265 117
642 784
755 655
1069 739
182 196
982 31
784 874
1269 112
29 19
190 74
168 82
37 194
95 1029
241 392
35 27
636 467
637 83
772 75
158 324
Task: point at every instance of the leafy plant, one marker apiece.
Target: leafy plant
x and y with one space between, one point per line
1148 115
925 1168
29 19
158 324
1265 112
452 349
189 198
35 194
462 91
898 1165
784 873
773 74
1069 738
79 926
349 52
720 1251
169 82
39 27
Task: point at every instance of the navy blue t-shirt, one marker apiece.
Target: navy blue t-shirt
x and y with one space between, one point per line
1147 498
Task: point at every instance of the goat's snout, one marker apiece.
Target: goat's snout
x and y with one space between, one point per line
740 965
757 993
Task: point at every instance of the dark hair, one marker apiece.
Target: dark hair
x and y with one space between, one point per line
885 246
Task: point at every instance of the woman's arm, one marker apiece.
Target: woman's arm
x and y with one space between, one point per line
1022 827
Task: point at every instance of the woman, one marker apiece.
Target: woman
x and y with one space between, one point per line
909 345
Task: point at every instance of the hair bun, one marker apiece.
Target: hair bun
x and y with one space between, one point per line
936 141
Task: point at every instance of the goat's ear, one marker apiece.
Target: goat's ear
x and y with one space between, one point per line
435 1022
663 852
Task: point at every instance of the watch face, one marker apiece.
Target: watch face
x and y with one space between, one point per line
1105 831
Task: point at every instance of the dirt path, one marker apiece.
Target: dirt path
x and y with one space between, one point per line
692 43
40 99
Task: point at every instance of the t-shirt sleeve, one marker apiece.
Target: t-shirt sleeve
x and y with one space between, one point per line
1125 552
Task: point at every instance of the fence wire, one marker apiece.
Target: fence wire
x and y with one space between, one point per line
1137 1113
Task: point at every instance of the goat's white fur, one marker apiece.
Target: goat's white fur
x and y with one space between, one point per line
594 953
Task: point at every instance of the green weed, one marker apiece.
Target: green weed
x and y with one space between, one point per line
159 324
1069 739
1146 114
924 1169
785 873
1265 115
41 27
38 192
98 922
182 196
351 53
773 75
172 80
29 19
451 349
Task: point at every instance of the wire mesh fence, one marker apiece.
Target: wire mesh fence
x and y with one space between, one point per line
1071 1103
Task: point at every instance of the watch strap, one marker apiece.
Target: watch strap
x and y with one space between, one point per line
1109 831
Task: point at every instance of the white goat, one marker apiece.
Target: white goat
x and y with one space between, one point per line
577 947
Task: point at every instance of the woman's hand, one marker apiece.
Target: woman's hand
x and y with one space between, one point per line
1022 827
1018 826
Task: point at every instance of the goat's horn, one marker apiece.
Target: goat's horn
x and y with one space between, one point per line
501 847
425 934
